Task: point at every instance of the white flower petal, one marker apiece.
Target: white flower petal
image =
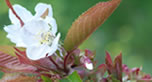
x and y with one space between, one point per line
17 40
61 52
14 35
21 44
54 45
36 26
41 8
23 13
11 28
29 39
37 52
53 24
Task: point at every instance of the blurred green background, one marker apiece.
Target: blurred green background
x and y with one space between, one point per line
128 29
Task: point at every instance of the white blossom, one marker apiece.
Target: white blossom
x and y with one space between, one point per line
38 34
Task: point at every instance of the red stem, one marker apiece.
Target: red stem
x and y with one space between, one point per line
65 61
10 6
54 63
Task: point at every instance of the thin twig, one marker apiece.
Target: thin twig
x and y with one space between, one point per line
10 6
65 61
57 66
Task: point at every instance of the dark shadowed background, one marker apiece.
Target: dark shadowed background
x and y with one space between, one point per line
128 29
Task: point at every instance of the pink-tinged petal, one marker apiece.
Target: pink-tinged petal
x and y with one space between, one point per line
147 76
41 8
23 13
126 70
136 71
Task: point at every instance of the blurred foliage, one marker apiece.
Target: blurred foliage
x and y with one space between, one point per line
128 29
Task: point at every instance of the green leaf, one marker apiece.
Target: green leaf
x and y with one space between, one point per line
114 79
74 77
46 79
64 80
88 22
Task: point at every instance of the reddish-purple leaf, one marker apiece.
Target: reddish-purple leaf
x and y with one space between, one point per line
10 63
88 22
109 63
24 79
22 56
22 52
101 70
45 64
89 54
42 64
17 77
118 66
108 58
114 68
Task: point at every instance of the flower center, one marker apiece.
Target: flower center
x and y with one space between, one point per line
46 38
